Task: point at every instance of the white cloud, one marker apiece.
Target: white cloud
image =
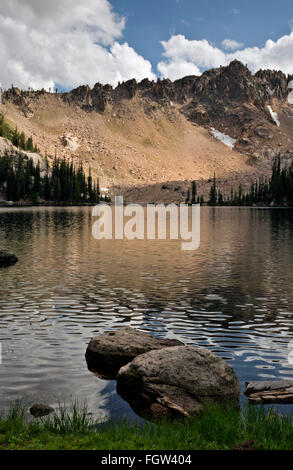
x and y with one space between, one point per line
200 54
274 55
183 54
70 42
177 69
231 44
66 42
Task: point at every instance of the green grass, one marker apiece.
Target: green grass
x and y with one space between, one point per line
215 429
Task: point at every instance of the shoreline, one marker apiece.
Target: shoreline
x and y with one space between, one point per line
45 205
72 428
16 205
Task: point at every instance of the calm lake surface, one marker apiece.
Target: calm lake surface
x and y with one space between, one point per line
233 296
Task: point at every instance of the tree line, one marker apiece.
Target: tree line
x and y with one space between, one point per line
21 179
17 138
275 190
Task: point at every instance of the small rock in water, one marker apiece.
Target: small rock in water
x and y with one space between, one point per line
7 259
38 410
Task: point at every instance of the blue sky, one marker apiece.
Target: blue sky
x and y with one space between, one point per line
251 22
71 43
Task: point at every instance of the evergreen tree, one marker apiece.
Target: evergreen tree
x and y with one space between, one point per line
15 138
2 131
220 199
213 193
187 200
22 143
29 145
193 192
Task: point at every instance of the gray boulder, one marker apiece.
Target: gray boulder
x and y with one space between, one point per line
110 351
263 132
177 382
38 410
7 259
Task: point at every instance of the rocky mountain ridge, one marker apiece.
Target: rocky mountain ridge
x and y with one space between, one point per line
228 98
151 132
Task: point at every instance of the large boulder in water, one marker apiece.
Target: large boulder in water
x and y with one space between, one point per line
177 382
107 353
6 259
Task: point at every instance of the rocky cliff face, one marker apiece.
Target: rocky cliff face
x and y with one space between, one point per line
213 88
235 102
230 99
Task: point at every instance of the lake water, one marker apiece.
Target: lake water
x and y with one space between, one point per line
233 296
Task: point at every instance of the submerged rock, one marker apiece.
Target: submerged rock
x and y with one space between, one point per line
177 382
38 410
107 353
7 259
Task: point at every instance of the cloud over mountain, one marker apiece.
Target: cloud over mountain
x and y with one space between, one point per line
65 41
231 44
68 42
183 54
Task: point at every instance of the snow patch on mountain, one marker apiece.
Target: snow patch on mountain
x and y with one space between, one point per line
274 116
224 138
